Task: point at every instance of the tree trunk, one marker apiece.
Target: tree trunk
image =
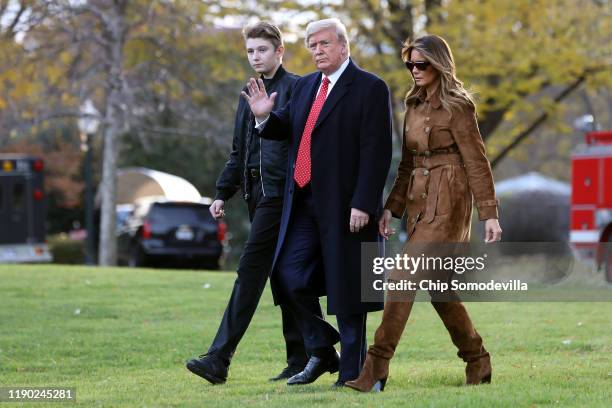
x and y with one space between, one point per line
115 31
108 241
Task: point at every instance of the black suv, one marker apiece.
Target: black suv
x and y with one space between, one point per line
169 233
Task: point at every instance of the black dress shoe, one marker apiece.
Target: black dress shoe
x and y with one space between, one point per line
315 368
288 372
210 367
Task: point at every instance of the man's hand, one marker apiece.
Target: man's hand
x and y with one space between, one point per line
384 227
261 104
216 209
492 230
359 219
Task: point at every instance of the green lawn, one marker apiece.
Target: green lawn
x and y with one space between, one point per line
121 337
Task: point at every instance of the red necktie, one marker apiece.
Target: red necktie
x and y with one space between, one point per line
302 163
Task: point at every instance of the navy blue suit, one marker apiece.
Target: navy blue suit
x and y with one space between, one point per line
316 253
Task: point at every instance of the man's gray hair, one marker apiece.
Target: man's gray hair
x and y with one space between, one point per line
316 26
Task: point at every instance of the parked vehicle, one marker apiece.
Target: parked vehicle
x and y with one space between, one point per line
170 233
591 205
22 210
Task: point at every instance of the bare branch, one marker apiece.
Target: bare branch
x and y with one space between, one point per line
539 121
10 31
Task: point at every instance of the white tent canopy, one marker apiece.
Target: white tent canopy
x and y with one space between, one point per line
532 181
135 183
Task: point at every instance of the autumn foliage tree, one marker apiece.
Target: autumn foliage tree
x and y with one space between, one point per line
165 75
145 64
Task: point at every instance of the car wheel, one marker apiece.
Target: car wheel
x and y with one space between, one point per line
137 258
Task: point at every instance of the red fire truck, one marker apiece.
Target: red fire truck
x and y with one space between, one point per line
22 210
591 205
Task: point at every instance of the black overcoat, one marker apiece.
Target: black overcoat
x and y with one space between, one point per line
351 154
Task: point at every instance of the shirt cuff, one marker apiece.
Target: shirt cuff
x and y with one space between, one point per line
260 125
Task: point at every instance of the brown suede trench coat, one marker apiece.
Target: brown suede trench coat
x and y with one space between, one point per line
443 165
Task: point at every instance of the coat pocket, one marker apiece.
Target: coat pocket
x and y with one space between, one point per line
440 137
436 205
443 204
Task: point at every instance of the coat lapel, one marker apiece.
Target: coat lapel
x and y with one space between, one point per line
307 102
303 110
338 91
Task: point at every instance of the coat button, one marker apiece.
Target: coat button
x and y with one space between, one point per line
410 197
413 151
425 172
423 195
427 119
427 153
427 129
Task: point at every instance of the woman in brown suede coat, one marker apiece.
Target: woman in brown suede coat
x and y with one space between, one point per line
443 166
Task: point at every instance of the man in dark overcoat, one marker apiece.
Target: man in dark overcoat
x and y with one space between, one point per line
338 122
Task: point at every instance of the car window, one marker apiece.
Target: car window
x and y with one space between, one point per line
179 214
18 196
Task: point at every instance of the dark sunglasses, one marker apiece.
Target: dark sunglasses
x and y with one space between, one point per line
420 65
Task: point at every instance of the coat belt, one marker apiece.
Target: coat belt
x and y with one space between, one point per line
430 162
430 166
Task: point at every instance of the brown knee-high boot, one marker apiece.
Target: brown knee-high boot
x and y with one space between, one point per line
468 341
375 371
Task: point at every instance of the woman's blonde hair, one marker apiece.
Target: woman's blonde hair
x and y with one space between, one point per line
451 92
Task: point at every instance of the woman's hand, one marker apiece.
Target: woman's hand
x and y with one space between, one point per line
384 227
492 230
